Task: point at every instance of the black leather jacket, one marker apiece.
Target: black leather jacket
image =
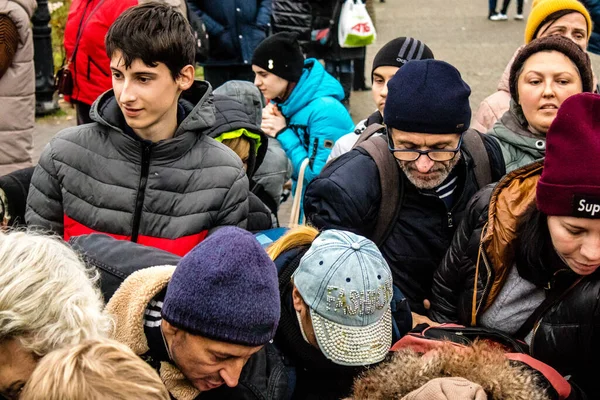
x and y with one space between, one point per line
567 335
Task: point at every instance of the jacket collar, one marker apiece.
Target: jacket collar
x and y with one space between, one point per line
127 307
198 105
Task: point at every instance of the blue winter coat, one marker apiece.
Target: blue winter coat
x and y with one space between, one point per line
593 6
315 120
235 28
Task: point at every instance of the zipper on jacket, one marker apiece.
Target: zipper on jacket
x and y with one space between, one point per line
450 220
139 200
487 288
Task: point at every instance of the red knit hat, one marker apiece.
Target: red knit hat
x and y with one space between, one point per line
570 182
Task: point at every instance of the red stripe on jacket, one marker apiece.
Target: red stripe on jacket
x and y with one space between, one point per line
179 246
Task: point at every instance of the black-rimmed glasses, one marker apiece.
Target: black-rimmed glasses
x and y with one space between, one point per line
414 154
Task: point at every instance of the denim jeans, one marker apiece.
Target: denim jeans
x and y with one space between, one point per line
492 7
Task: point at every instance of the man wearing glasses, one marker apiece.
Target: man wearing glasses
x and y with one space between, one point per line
426 114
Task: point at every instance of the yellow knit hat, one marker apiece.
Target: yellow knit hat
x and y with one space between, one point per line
541 9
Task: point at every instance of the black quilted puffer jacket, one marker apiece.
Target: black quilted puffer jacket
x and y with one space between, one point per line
169 194
567 335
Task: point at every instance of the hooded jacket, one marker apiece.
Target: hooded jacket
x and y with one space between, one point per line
276 169
169 194
519 146
262 378
315 120
230 116
17 92
567 335
347 196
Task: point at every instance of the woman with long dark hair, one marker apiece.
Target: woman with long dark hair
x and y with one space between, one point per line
525 261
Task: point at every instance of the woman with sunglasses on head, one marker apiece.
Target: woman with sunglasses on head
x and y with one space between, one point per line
525 259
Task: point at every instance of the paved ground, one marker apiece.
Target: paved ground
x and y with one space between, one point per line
457 32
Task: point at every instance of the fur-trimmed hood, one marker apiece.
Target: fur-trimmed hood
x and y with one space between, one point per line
480 364
127 307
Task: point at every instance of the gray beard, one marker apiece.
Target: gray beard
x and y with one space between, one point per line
408 168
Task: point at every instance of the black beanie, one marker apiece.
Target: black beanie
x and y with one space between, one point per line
428 96
399 51
280 54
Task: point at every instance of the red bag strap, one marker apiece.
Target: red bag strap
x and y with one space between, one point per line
558 382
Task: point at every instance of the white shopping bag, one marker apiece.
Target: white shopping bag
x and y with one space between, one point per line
355 28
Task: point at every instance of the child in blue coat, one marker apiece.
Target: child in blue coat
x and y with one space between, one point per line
305 113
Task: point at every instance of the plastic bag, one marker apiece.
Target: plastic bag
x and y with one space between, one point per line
355 28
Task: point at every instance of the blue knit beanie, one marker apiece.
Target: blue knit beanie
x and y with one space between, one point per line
428 96
226 289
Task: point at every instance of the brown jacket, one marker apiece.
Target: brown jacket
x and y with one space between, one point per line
17 93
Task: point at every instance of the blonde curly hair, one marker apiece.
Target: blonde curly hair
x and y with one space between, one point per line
48 298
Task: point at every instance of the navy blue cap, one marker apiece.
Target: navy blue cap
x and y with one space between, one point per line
428 96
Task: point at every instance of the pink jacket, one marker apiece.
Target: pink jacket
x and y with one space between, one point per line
495 105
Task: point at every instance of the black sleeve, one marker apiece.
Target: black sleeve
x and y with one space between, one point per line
15 187
116 259
345 195
457 270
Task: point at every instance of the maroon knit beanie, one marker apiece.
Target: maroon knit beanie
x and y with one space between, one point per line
553 43
570 182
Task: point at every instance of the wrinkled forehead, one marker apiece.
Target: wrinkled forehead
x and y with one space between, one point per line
572 20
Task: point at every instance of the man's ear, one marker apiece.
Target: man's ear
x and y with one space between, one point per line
186 77
297 300
167 328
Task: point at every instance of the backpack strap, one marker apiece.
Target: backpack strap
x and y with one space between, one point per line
551 299
473 142
389 179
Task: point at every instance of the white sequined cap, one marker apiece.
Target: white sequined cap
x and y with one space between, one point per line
347 284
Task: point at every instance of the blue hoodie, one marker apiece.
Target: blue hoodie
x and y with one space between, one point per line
315 120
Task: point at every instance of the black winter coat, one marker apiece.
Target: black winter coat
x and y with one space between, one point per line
567 336
347 196
292 16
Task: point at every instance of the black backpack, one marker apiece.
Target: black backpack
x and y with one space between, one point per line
389 175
